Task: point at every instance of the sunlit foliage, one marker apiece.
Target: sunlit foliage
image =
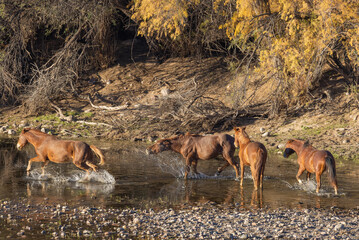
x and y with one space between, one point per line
289 40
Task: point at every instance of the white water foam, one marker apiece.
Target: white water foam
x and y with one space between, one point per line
176 167
102 176
311 187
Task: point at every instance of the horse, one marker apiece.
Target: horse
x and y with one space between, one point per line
194 147
313 161
253 154
50 148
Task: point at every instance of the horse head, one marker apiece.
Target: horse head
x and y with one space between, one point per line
288 149
22 139
240 135
159 146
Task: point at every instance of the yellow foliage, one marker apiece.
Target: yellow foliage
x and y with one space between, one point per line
291 38
159 18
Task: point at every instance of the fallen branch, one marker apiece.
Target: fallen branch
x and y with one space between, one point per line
59 111
94 123
122 107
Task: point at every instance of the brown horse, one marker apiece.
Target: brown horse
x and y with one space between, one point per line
194 147
312 160
49 148
252 154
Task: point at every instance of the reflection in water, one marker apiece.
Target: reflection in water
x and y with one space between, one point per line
131 178
73 193
102 176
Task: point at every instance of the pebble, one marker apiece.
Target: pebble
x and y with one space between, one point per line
11 132
266 134
200 221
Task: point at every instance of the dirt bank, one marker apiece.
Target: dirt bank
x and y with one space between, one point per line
147 100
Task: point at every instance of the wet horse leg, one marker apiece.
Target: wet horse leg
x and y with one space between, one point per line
308 176
93 166
242 171
84 167
38 158
261 176
43 166
188 166
300 172
220 169
317 176
79 161
255 176
194 166
230 160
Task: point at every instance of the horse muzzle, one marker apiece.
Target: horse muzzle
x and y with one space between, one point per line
19 147
288 152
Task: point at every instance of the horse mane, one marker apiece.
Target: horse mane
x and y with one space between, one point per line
37 131
306 143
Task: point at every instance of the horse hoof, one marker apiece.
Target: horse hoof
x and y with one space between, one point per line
236 179
217 174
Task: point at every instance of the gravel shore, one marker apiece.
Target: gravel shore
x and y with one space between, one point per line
203 221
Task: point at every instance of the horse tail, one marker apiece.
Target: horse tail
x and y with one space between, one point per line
98 154
261 160
332 175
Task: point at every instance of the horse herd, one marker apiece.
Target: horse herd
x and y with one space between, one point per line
192 147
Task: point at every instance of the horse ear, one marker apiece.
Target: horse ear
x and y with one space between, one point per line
25 130
290 141
236 129
243 128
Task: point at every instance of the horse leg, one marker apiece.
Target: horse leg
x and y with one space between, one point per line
93 166
308 176
34 159
84 167
242 172
300 172
261 176
255 176
230 160
194 166
317 175
188 167
43 167
220 169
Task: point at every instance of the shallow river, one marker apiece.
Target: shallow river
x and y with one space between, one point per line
130 178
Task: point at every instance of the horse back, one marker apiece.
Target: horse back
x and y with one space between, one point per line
207 147
65 150
255 152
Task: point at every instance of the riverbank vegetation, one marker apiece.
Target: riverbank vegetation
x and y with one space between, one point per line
296 46
147 69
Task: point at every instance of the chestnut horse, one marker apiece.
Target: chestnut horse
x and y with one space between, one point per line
194 147
253 154
312 160
49 148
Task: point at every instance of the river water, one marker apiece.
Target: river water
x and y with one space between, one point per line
130 178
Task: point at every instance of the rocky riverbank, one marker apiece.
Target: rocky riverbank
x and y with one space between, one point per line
203 221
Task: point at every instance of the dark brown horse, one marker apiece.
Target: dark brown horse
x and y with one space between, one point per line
312 160
253 154
194 147
49 148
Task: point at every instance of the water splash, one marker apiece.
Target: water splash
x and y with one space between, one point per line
311 187
102 176
176 167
